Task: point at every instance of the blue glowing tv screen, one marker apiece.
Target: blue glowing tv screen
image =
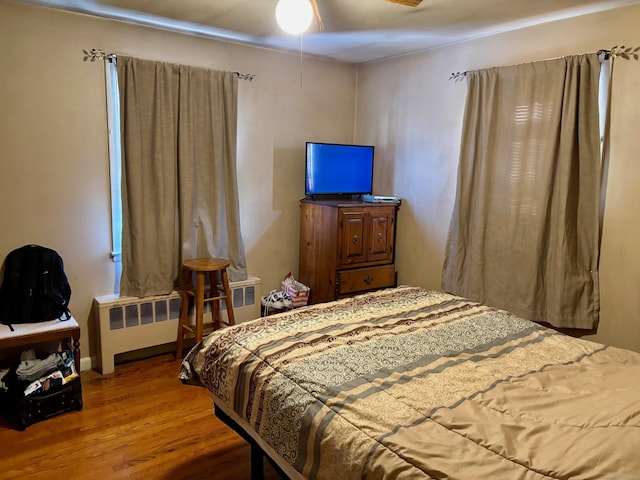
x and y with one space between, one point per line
336 169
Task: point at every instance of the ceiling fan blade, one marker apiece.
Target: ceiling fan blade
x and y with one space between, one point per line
408 3
317 15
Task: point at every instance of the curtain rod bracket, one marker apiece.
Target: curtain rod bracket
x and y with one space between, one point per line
96 54
245 76
628 53
457 76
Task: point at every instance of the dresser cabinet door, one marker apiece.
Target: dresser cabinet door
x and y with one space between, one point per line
381 235
352 238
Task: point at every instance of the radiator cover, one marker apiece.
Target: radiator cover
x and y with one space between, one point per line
132 323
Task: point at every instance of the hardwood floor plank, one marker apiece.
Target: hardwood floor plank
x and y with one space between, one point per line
138 423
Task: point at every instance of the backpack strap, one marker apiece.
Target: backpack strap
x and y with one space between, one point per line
10 284
54 282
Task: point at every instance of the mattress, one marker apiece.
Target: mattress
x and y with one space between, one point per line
406 383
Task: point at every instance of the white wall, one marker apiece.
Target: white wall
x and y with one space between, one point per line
54 170
412 112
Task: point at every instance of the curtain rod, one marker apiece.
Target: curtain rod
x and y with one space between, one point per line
97 54
628 53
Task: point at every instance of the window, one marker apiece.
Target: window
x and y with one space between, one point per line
113 125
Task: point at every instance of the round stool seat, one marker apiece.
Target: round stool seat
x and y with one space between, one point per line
206 264
214 268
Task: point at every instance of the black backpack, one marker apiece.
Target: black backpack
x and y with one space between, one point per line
34 287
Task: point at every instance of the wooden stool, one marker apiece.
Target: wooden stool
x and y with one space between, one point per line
201 266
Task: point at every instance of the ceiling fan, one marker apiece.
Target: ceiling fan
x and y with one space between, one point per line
318 18
408 3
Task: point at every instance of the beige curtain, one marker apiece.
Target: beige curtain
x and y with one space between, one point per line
524 230
179 186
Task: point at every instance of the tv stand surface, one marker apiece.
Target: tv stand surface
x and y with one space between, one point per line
345 202
321 197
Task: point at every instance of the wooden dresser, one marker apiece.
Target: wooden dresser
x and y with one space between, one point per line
346 247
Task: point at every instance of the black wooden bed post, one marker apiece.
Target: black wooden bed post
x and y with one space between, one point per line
257 454
257 465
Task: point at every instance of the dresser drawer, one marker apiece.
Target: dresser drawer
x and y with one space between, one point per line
362 279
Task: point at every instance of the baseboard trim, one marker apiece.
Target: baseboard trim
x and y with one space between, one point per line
88 363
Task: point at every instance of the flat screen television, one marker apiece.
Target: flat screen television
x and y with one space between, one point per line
337 169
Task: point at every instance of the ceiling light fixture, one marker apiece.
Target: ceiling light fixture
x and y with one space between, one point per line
294 16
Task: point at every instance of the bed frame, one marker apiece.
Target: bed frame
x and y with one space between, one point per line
257 453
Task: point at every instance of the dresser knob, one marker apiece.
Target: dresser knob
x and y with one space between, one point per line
379 237
368 279
355 239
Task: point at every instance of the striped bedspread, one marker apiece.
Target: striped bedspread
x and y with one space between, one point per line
413 384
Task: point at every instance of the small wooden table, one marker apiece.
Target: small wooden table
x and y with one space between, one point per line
33 333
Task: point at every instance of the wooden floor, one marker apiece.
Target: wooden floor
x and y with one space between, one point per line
138 423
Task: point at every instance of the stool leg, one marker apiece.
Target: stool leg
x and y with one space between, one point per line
199 304
215 304
215 314
184 309
227 294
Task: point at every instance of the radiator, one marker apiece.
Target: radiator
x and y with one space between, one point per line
133 323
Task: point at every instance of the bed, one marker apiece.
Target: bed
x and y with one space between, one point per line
406 383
